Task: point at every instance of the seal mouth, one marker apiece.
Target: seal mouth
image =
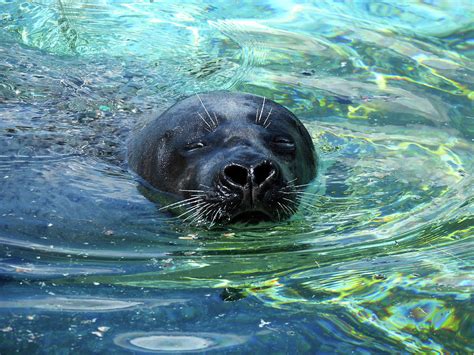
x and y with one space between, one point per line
222 205
251 217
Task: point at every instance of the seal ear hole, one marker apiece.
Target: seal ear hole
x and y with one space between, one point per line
236 174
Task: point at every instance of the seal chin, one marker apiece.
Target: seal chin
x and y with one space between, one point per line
248 203
251 217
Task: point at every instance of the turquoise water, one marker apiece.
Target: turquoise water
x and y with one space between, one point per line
379 258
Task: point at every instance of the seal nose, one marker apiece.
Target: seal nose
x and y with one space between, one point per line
253 177
236 175
263 173
250 184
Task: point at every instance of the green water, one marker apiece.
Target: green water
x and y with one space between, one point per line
379 257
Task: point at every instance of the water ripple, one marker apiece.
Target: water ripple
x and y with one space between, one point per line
158 342
381 247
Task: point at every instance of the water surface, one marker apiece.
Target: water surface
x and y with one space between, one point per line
377 259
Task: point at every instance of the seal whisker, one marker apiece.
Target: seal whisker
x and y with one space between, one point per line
261 111
205 109
191 209
309 207
184 190
278 213
199 213
215 215
202 217
289 185
290 182
209 209
289 208
181 202
268 125
266 119
293 209
206 212
305 204
299 193
304 194
282 209
194 215
302 185
207 123
199 195
198 218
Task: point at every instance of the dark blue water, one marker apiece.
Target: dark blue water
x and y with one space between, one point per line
378 259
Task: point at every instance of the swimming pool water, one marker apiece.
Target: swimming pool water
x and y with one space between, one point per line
379 258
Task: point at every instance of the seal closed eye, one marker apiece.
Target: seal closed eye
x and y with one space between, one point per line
226 157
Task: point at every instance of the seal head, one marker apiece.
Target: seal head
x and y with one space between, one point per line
226 157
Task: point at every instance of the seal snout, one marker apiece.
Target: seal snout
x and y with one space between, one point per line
249 177
235 175
250 181
263 173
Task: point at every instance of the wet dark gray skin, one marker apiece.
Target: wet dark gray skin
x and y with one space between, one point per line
226 157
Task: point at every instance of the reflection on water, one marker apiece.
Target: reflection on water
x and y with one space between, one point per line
83 304
179 342
379 256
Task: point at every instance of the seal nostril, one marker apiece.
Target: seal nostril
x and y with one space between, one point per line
236 174
263 172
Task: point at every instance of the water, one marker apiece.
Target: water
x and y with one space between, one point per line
379 256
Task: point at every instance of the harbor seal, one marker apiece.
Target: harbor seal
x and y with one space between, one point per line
226 157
